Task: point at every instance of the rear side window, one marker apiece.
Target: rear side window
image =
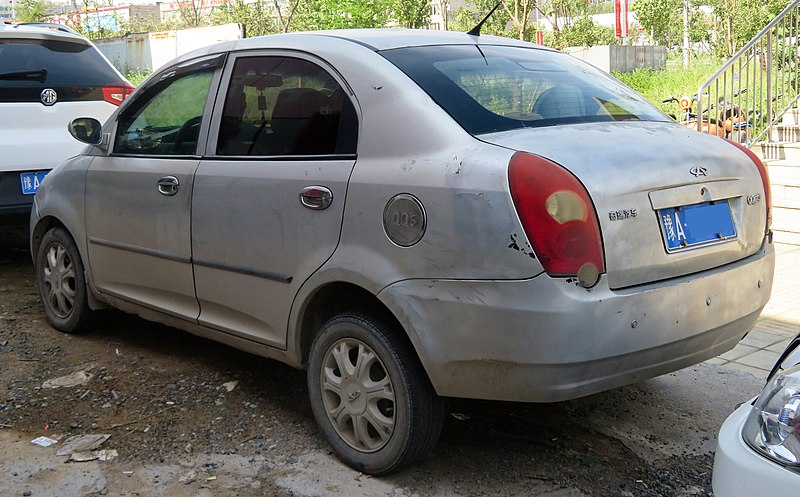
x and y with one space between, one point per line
495 88
67 64
278 106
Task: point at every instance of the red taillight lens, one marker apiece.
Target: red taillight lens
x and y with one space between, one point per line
116 93
762 170
558 217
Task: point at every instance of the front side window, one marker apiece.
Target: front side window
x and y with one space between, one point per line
168 122
497 88
285 106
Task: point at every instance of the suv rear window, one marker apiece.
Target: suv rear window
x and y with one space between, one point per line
495 88
67 64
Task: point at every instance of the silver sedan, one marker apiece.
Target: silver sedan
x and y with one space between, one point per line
410 215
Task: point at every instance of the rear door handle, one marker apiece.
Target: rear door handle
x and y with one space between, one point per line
168 185
316 197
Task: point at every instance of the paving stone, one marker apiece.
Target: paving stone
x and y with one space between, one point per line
737 352
763 359
761 339
779 347
759 373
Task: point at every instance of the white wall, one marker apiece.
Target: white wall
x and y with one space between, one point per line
624 58
149 51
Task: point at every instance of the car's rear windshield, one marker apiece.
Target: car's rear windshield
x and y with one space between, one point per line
497 88
67 64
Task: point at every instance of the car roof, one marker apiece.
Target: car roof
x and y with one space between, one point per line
390 38
375 39
41 31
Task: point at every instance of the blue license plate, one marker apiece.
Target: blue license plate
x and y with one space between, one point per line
697 224
30 181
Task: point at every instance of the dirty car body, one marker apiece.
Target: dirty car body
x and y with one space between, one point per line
426 214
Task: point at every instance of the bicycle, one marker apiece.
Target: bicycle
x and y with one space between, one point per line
690 120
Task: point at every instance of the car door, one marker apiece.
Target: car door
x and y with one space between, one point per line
138 197
269 196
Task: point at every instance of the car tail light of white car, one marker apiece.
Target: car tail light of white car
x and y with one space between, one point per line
558 216
773 425
116 93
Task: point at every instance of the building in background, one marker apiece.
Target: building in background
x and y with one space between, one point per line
6 9
9 8
110 18
440 9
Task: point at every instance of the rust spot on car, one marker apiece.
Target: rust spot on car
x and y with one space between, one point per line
514 245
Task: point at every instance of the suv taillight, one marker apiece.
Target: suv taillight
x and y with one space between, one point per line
558 217
762 170
116 93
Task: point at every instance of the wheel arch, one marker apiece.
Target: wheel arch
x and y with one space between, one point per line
44 225
336 298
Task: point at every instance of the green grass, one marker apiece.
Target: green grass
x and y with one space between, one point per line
673 81
136 76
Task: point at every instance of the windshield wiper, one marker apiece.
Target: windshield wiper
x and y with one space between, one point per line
40 74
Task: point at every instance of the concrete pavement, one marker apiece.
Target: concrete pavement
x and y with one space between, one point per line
779 322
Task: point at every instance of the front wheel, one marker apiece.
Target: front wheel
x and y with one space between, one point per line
62 283
370 396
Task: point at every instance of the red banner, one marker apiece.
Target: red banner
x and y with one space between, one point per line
621 18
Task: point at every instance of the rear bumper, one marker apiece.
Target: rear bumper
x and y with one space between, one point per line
544 340
739 471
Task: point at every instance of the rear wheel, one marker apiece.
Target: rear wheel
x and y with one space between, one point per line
62 283
370 396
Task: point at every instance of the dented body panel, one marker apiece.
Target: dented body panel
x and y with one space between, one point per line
546 340
633 170
485 319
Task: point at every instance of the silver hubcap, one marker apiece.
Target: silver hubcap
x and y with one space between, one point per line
59 280
358 395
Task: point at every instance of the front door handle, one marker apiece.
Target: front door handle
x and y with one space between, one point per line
168 185
316 197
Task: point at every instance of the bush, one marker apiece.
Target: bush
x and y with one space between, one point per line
136 76
658 85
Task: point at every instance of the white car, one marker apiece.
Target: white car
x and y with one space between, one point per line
758 448
49 75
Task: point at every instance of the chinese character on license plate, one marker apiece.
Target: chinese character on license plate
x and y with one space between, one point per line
697 224
30 181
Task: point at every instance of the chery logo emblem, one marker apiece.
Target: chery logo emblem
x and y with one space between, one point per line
698 171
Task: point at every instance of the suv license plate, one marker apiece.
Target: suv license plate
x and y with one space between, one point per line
30 181
697 224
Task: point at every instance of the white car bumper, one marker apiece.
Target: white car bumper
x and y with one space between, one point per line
739 471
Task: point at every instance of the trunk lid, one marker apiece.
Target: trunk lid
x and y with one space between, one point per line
638 172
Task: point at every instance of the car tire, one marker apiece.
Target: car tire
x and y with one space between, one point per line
370 396
62 282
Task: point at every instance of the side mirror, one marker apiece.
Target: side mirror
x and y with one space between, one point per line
87 130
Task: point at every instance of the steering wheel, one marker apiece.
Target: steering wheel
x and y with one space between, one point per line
188 132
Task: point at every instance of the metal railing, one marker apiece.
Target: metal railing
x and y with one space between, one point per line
751 92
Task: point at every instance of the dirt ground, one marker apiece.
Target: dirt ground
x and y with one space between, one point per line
181 428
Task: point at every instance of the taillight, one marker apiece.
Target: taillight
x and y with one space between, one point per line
116 93
558 217
762 170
